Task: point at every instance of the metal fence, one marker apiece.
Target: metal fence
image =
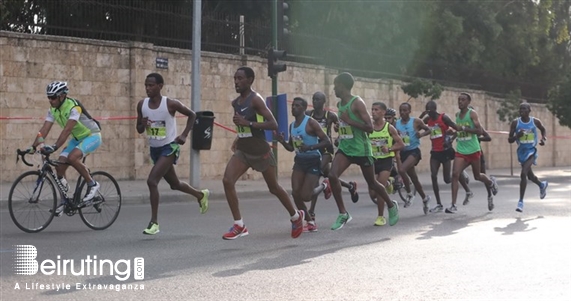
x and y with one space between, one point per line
171 26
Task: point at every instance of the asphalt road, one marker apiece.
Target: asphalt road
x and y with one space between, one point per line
473 254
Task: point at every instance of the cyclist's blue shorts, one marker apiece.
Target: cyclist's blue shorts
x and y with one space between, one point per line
86 145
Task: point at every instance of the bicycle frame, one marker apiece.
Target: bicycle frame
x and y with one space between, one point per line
47 172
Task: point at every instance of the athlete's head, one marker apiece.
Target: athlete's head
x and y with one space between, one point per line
378 110
57 91
343 84
390 115
298 106
464 100
153 84
431 109
404 110
243 79
524 109
318 99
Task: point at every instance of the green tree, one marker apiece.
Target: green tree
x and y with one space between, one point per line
509 107
560 101
424 88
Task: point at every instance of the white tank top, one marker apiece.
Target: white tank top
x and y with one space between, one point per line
162 128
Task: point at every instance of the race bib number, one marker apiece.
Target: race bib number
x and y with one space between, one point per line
157 130
345 131
527 138
435 132
377 146
405 138
243 131
323 126
297 142
464 136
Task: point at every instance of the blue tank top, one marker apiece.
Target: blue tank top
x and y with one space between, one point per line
408 134
529 138
299 135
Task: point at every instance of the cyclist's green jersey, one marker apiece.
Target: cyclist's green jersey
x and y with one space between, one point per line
71 109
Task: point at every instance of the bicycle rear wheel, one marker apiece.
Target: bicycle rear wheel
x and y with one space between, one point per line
105 206
32 202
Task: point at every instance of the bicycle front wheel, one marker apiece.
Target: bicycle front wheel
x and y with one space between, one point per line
32 202
105 206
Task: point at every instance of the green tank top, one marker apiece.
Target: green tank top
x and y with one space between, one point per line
353 142
61 115
467 143
379 139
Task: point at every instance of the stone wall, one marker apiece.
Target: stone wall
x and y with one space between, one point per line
108 77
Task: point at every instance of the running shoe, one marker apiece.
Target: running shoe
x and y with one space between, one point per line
152 229
494 187
543 189
297 225
452 209
235 232
342 219
327 189
409 200
469 195
490 203
381 221
353 192
312 215
519 206
394 214
305 227
438 208
425 204
204 201
312 226
390 187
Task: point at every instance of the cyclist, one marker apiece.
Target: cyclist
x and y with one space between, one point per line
85 137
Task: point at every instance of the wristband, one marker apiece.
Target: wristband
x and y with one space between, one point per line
463 128
251 123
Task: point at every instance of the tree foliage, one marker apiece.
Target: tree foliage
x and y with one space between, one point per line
509 108
560 101
424 88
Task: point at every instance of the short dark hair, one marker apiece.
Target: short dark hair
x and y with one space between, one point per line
380 104
346 79
303 101
248 71
432 102
406 104
158 78
467 95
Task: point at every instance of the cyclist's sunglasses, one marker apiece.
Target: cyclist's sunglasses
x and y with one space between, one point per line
53 97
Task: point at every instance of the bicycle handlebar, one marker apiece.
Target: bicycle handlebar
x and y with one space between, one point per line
22 154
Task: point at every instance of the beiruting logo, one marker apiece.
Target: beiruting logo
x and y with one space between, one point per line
25 263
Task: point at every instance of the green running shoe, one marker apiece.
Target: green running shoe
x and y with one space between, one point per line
342 219
204 201
152 229
394 214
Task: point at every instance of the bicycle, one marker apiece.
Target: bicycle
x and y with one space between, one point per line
398 186
32 200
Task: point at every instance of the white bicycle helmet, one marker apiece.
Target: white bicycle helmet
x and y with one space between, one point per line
57 88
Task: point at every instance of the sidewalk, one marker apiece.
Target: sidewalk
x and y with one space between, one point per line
136 191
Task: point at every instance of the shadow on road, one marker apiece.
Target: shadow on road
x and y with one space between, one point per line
518 225
450 226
